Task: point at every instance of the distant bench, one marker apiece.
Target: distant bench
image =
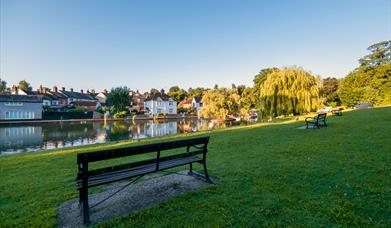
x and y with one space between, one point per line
89 178
317 121
337 112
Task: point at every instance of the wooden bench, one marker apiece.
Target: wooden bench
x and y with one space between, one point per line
317 121
194 152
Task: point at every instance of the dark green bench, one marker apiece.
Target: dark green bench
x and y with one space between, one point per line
194 152
317 121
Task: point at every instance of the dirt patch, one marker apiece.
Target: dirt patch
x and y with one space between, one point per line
146 193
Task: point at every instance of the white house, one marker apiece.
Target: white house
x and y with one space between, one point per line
160 103
197 103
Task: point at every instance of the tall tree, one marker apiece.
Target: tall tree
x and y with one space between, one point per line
289 91
24 85
3 86
330 91
197 92
380 54
367 84
119 99
177 93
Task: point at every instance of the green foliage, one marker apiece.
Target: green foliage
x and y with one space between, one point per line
380 54
24 85
269 175
3 86
289 91
120 114
197 92
119 99
221 103
367 84
102 109
330 92
177 93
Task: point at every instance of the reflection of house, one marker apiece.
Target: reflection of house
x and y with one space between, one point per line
160 103
13 138
20 107
196 102
138 100
160 129
186 103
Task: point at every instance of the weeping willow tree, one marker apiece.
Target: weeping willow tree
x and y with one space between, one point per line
289 91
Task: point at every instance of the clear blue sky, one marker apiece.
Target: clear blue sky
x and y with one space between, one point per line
143 44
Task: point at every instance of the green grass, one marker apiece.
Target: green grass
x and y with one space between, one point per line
270 175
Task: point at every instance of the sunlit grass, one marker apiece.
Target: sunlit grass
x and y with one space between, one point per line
270 173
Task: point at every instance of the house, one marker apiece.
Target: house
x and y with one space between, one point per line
186 103
20 107
61 98
73 96
101 96
47 98
160 103
197 103
138 100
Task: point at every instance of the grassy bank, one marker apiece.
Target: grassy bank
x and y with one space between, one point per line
270 175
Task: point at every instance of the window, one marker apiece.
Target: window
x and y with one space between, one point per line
13 103
170 110
18 115
170 103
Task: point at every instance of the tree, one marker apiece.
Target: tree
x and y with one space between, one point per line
119 99
24 85
380 54
221 103
3 86
197 92
154 91
177 93
289 91
367 84
330 91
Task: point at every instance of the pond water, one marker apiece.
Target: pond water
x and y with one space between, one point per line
19 138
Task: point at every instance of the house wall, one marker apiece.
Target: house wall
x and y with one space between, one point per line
21 110
155 107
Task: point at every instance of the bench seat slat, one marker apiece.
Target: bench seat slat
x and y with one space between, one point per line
137 171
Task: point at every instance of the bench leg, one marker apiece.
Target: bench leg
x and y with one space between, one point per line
206 173
86 211
191 169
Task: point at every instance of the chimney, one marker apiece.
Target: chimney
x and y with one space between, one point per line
55 89
71 89
81 91
40 89
88 91
105 90
63 88
162 91
92 91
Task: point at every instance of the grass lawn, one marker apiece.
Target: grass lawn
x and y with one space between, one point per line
270 175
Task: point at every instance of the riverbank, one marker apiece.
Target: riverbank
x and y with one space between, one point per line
271 175
97 120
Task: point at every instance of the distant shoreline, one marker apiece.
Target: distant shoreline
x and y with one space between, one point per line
94 120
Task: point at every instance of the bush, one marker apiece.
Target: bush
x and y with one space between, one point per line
120 114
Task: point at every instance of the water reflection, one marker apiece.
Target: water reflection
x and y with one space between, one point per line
22 138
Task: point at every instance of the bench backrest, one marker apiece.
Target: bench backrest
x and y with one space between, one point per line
142 149
321 117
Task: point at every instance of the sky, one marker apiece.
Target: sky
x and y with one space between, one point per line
143 44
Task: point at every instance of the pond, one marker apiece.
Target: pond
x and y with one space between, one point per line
19 138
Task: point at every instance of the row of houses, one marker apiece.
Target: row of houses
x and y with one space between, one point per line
27 104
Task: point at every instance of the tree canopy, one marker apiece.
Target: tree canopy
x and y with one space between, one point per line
119 99
289 91
177 93
3 86
24 85
380 54
329 92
